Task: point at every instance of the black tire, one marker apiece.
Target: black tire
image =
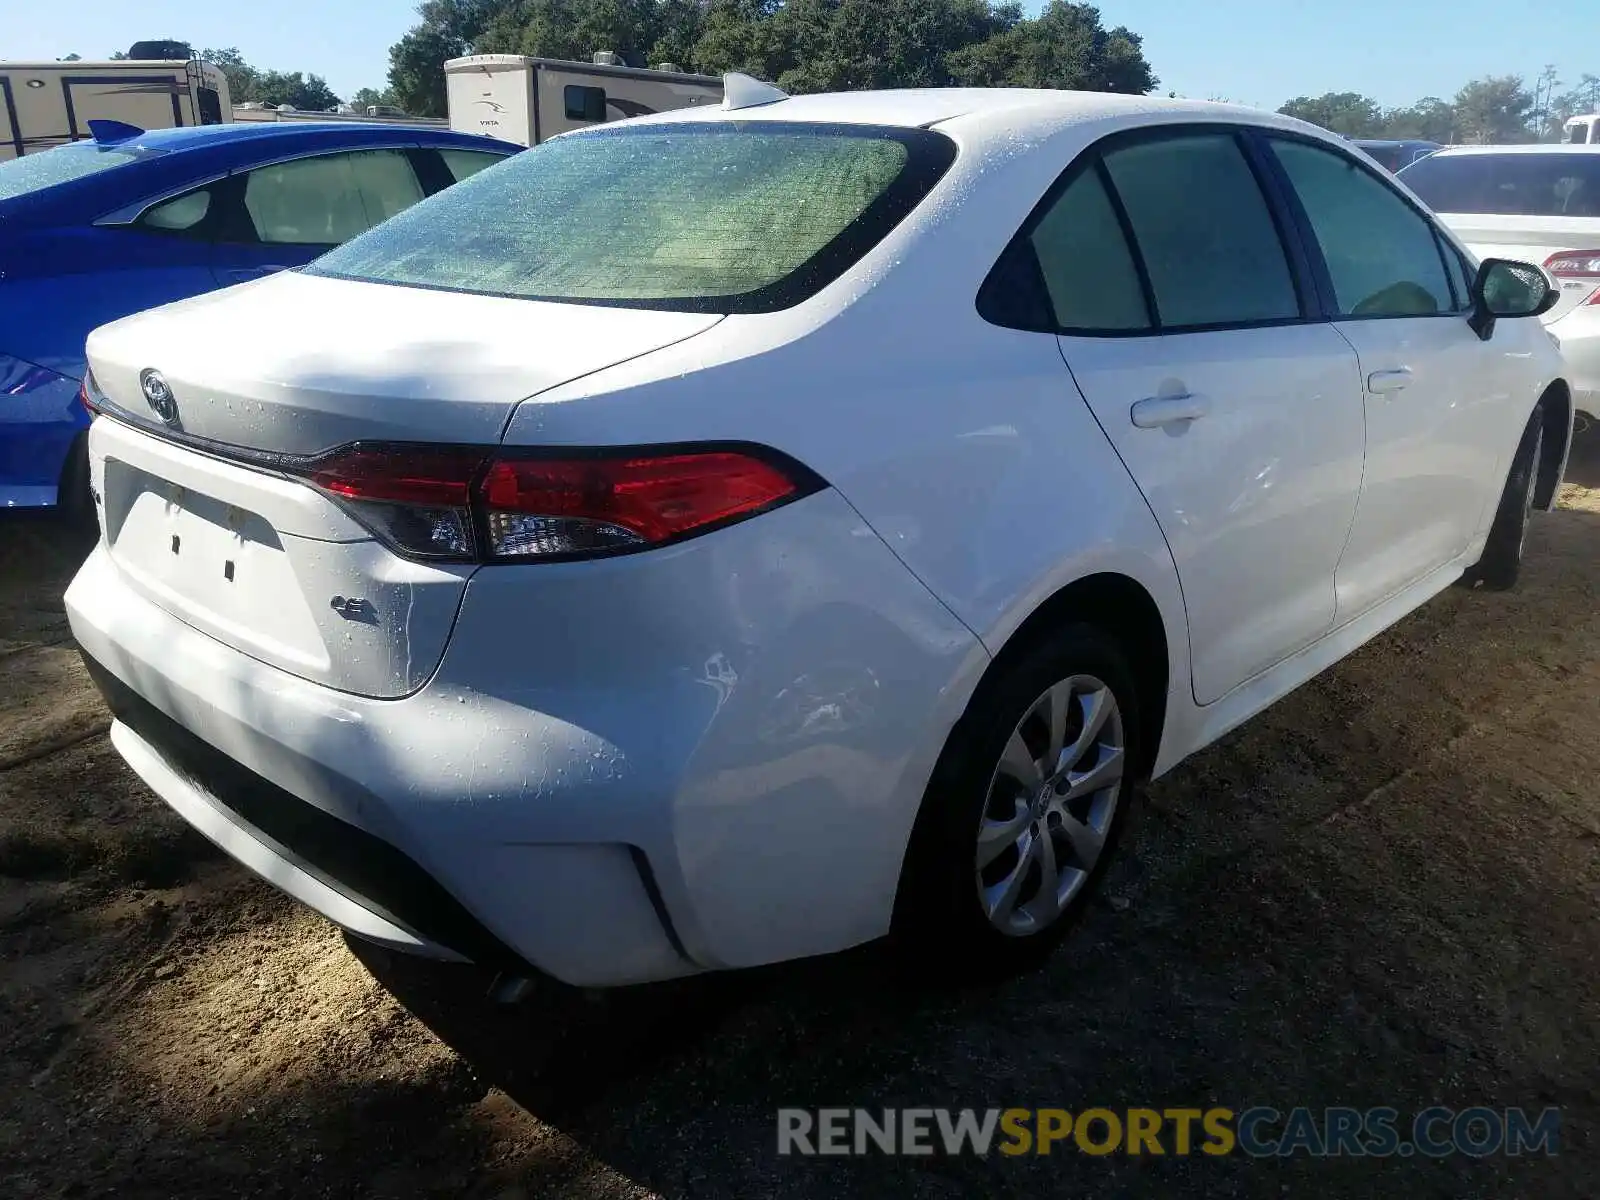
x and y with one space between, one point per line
1501 564
941 927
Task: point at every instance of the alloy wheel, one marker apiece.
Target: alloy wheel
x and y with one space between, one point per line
1051 802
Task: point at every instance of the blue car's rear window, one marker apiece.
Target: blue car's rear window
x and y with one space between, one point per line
47 168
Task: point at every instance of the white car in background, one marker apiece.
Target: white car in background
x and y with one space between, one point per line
731 536
1540 203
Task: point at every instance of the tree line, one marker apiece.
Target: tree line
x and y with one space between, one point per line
802 45
1495 110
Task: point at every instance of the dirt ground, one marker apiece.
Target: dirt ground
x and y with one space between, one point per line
1381 892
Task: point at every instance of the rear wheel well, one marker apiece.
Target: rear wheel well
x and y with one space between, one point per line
1557 402
1122 609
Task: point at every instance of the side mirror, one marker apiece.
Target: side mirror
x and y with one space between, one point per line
1505 288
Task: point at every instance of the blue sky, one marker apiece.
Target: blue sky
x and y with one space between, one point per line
1253 51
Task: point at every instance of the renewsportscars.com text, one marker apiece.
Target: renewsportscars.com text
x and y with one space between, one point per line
1259 1132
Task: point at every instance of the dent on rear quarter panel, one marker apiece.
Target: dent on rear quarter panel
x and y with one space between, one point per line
764 704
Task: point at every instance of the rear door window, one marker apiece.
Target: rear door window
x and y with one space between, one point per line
1087 266
1560 183
328 199
464 163
1383 257
1203 230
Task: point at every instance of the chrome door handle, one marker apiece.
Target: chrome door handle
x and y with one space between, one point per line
1381 383
1158 411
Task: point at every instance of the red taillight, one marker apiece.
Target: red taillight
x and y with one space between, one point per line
1583 265
473 504
575 506
417 499
1574 264
432 478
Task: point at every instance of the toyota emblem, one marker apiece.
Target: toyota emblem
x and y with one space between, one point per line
159 395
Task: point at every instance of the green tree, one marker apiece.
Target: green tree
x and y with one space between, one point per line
367 96
1581 100
803 45
1494 109
840 45
739 35
308 92
1430 119
1066 46
243 79
1349 113
416 69
247 83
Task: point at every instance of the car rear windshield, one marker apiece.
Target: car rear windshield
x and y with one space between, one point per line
1389 156
46 168
724 217
1521 185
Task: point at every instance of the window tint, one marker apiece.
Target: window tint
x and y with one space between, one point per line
702 218
180 215
329 199
1204 230
1084 260
585 103
1381 254
462 163
1562 183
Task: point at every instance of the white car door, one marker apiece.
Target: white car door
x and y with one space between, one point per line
1237 412
1436 396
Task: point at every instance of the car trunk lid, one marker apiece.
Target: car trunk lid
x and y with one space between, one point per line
205 515
298 364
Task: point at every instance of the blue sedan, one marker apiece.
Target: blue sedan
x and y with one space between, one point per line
127 220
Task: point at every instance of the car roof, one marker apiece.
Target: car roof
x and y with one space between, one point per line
163 159
1535 148
926 107
200 137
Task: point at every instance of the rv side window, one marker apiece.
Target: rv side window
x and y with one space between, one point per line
1580 134
585 103
210 106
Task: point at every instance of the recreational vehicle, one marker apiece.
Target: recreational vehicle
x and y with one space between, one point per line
45 104
1582 130
526 100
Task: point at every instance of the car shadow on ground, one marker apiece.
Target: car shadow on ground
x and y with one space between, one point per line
1583 463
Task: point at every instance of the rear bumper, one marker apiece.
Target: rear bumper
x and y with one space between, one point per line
706 757
359 881
1579 332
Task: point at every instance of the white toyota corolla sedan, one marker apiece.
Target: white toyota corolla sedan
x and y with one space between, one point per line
736 535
